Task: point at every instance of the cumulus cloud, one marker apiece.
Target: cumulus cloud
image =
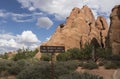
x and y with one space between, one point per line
6 36
44 22
9 42
28 36
61 8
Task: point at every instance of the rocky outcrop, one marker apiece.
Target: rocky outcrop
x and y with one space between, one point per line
102 26
113 40
80 28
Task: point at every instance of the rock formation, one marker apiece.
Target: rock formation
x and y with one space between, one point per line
80 28
113 40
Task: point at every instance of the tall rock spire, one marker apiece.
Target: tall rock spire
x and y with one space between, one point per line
113 40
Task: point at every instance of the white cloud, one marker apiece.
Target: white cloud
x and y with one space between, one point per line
58 8
6 36
28 36
31 8
22 17
61 8
44 22
3 13
17 17
9 42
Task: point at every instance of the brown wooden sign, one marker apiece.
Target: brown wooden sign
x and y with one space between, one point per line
52 49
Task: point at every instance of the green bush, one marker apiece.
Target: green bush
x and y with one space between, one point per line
62 68
46 57
117 63
24 54
64 56
110 65
17 67
103 52
4 56
76 75
42 70
76 54
87 51
39 70
114 57
5 64
89 65
70 65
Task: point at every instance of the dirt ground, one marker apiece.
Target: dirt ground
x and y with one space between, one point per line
8 77
105 73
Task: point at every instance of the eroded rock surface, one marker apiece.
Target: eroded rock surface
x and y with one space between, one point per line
113 40
80 28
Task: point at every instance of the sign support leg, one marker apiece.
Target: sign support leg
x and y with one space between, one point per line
52 65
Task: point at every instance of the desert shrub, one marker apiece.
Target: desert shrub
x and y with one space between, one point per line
100 53
17 67
46 57
101 63
76 75
81 63
76 54
70 65
89 65
113 64
24 54
103 52
39 70
110 65
42 70
64 56
81 54
87 51
71 54
62 68
114 57
4 56
5 64
117 63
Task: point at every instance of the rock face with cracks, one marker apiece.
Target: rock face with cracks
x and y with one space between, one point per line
80 28
113 40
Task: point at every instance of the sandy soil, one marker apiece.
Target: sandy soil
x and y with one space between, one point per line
106 73
8 77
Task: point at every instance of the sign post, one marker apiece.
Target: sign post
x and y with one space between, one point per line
52 50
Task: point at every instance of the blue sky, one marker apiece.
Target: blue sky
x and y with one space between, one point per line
28 23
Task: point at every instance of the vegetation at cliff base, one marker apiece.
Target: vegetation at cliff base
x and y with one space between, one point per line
24 66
